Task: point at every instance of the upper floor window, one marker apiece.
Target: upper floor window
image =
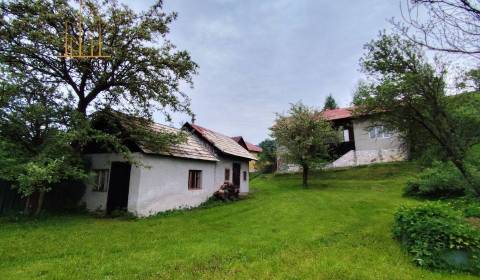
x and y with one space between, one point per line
101 179
379 132
194 179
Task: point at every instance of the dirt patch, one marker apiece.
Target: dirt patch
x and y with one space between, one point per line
474 221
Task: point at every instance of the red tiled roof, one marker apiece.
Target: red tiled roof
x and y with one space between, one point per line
253 148
222 142
337 114
250 147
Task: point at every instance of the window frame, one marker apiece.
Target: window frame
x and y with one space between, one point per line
101 175
387 134
379 132
346 135
194 179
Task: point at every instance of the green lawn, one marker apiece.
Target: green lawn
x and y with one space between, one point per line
339 228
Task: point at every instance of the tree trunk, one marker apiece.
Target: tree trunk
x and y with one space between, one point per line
305 175
468 177
41 198
28 203
82 107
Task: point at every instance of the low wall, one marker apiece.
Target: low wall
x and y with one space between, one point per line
365 157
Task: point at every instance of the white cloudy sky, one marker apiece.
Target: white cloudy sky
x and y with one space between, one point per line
258 56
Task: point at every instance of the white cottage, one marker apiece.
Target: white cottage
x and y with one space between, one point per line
184 177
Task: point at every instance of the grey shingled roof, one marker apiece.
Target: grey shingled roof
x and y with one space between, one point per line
193 148
222 142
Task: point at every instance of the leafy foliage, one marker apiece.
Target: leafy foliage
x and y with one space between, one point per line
143 73
305 136
440 180
471 79
35 144
437 237
468 205
267 158
407 95
227 192
330 103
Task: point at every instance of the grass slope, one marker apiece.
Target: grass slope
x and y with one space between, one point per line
339 228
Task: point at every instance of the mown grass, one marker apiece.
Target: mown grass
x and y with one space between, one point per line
338 228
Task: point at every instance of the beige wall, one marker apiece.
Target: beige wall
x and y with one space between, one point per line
364 142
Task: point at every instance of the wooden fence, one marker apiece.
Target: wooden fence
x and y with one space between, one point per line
10 200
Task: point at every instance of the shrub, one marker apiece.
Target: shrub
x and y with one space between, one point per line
472 211
440 180
227 192
437 236
469 206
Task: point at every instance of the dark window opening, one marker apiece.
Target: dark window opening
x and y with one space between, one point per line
194 179
244 175
101 179
227 174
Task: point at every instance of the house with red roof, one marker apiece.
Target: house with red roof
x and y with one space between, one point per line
253 149
183 176
363 141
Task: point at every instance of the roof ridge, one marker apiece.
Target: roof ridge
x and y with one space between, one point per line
164 125
207 129
222 142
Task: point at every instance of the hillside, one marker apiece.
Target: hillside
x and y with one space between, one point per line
339 228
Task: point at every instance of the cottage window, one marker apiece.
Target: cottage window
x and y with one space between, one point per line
227 174
194 179
244 175
101 179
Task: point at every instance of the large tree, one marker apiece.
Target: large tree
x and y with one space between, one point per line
304 136
408 94
330 103
443 25
145 70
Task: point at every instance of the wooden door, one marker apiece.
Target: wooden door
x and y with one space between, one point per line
236 174
118 188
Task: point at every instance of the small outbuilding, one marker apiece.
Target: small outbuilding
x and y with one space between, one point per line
184 176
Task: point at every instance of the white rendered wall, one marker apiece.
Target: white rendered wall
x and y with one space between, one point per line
162 184
228 163
98 200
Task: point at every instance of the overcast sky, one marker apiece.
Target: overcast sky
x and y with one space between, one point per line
258 56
